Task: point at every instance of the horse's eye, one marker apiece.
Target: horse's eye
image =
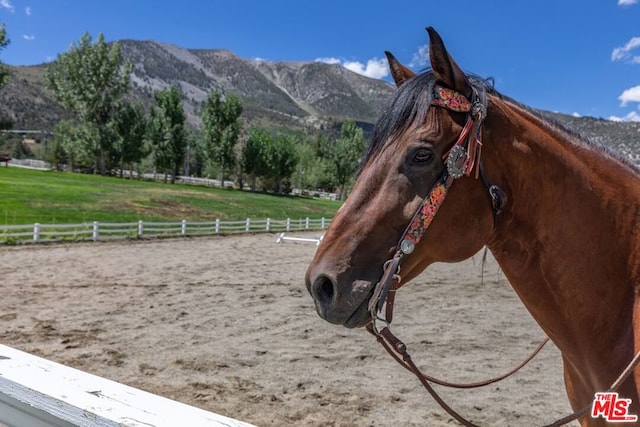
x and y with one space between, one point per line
422 155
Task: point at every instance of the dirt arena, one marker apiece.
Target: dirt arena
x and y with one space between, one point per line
226 324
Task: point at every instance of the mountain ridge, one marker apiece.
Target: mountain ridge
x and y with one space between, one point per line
279 95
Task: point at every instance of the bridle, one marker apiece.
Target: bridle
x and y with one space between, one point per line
463 159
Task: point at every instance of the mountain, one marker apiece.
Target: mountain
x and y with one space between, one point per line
27 103
276 95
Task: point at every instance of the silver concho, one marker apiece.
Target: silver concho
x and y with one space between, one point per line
455 161
407 246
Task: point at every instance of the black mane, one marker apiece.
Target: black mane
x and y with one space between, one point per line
412 100
410 104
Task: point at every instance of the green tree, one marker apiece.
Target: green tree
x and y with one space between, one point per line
130 125
282 159
5 72
312 171
323 146
254 160
195 157
319 170
54 153
4 42
346 154
72 145
220 129
89 79
157 136
166 131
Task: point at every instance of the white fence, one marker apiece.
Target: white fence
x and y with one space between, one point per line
41 233
29 164
282 238
37 392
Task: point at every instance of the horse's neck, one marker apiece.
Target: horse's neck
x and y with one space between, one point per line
565 238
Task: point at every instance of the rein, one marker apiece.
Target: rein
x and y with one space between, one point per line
462 159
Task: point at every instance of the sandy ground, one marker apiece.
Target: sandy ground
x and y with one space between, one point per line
226 324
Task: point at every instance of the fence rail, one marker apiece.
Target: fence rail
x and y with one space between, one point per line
38 392
43 233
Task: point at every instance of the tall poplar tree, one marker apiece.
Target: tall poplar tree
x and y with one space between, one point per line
4 42
130 124
89 80
167 132
346 154
220 129
254 159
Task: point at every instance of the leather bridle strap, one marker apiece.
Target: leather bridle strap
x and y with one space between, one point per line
381 292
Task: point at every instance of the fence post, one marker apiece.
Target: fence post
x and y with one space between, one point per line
288 224
306 224
96 227
184 227
322 223
268 224
36 232
217 225
248 227
140 229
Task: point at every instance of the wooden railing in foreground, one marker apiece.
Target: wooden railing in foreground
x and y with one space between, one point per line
37 392
40 233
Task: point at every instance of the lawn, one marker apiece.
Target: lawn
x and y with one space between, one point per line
29 196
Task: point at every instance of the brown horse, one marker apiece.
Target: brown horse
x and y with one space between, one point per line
560 215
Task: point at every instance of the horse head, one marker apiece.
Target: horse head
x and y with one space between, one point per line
409 165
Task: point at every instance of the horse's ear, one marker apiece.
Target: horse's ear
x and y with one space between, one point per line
399 72
444 67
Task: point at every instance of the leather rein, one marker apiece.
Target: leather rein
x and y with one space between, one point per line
463 159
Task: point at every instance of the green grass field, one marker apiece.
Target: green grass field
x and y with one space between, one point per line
28 196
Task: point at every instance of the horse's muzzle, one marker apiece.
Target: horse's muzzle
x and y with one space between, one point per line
349 308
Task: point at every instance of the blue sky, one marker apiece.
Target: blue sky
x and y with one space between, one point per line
574 57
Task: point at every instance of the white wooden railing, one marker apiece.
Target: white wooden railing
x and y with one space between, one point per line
41 233
37 392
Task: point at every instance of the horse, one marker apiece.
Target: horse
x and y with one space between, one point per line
452 167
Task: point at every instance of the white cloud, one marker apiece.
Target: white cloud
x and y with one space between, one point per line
629 95
421 57
329 60
575 114
7 5
29 37
374 68
27 10
624 53
626 2
631 117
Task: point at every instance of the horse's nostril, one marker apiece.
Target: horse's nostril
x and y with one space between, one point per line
323 290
